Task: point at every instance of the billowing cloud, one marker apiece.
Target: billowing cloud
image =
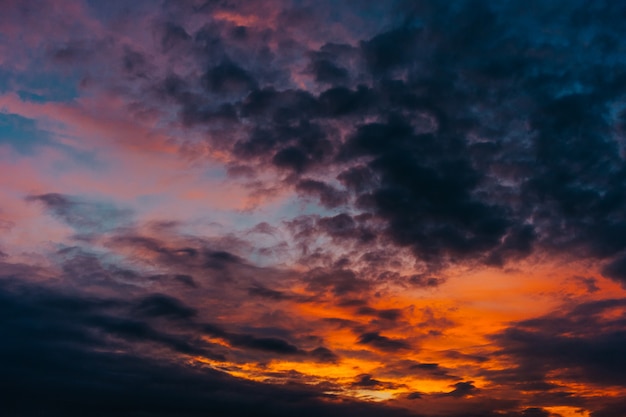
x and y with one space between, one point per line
298 207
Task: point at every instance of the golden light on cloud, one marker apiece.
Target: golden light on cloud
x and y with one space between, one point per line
312 208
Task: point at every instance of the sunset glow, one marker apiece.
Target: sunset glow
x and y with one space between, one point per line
312 208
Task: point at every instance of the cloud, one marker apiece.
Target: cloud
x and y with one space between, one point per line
462 389
83 216
391 152
616 270
328 196
228 77
261 291
326 71
340 282
366 381
391 314
270 344
186 257
160 305
51 351
393 126
391 49
578 344
383 343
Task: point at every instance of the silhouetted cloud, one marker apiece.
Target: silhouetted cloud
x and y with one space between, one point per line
462 389
383 343
160 305
578 344
286 191
50 353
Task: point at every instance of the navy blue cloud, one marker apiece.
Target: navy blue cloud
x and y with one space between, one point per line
474 131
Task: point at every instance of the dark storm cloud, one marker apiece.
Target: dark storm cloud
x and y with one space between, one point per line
431 370
341 101
420 178
391 314
195 107
54 364
425 192
613 409
535 412
83 321
392 49
462 131
383 343
228 77
488 136
454 354
158 320
131 330
270 344
326 71
462 389
323 354
580 344
269 104
161 305
186 321
296 147
339 282
173 35
616 270
366 381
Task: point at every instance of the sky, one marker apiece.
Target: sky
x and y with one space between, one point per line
313 208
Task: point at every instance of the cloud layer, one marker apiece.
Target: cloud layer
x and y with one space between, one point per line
297 207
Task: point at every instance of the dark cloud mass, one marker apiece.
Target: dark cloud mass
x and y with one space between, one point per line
383 343
386 151
581 344
463 132
57 364
159 305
